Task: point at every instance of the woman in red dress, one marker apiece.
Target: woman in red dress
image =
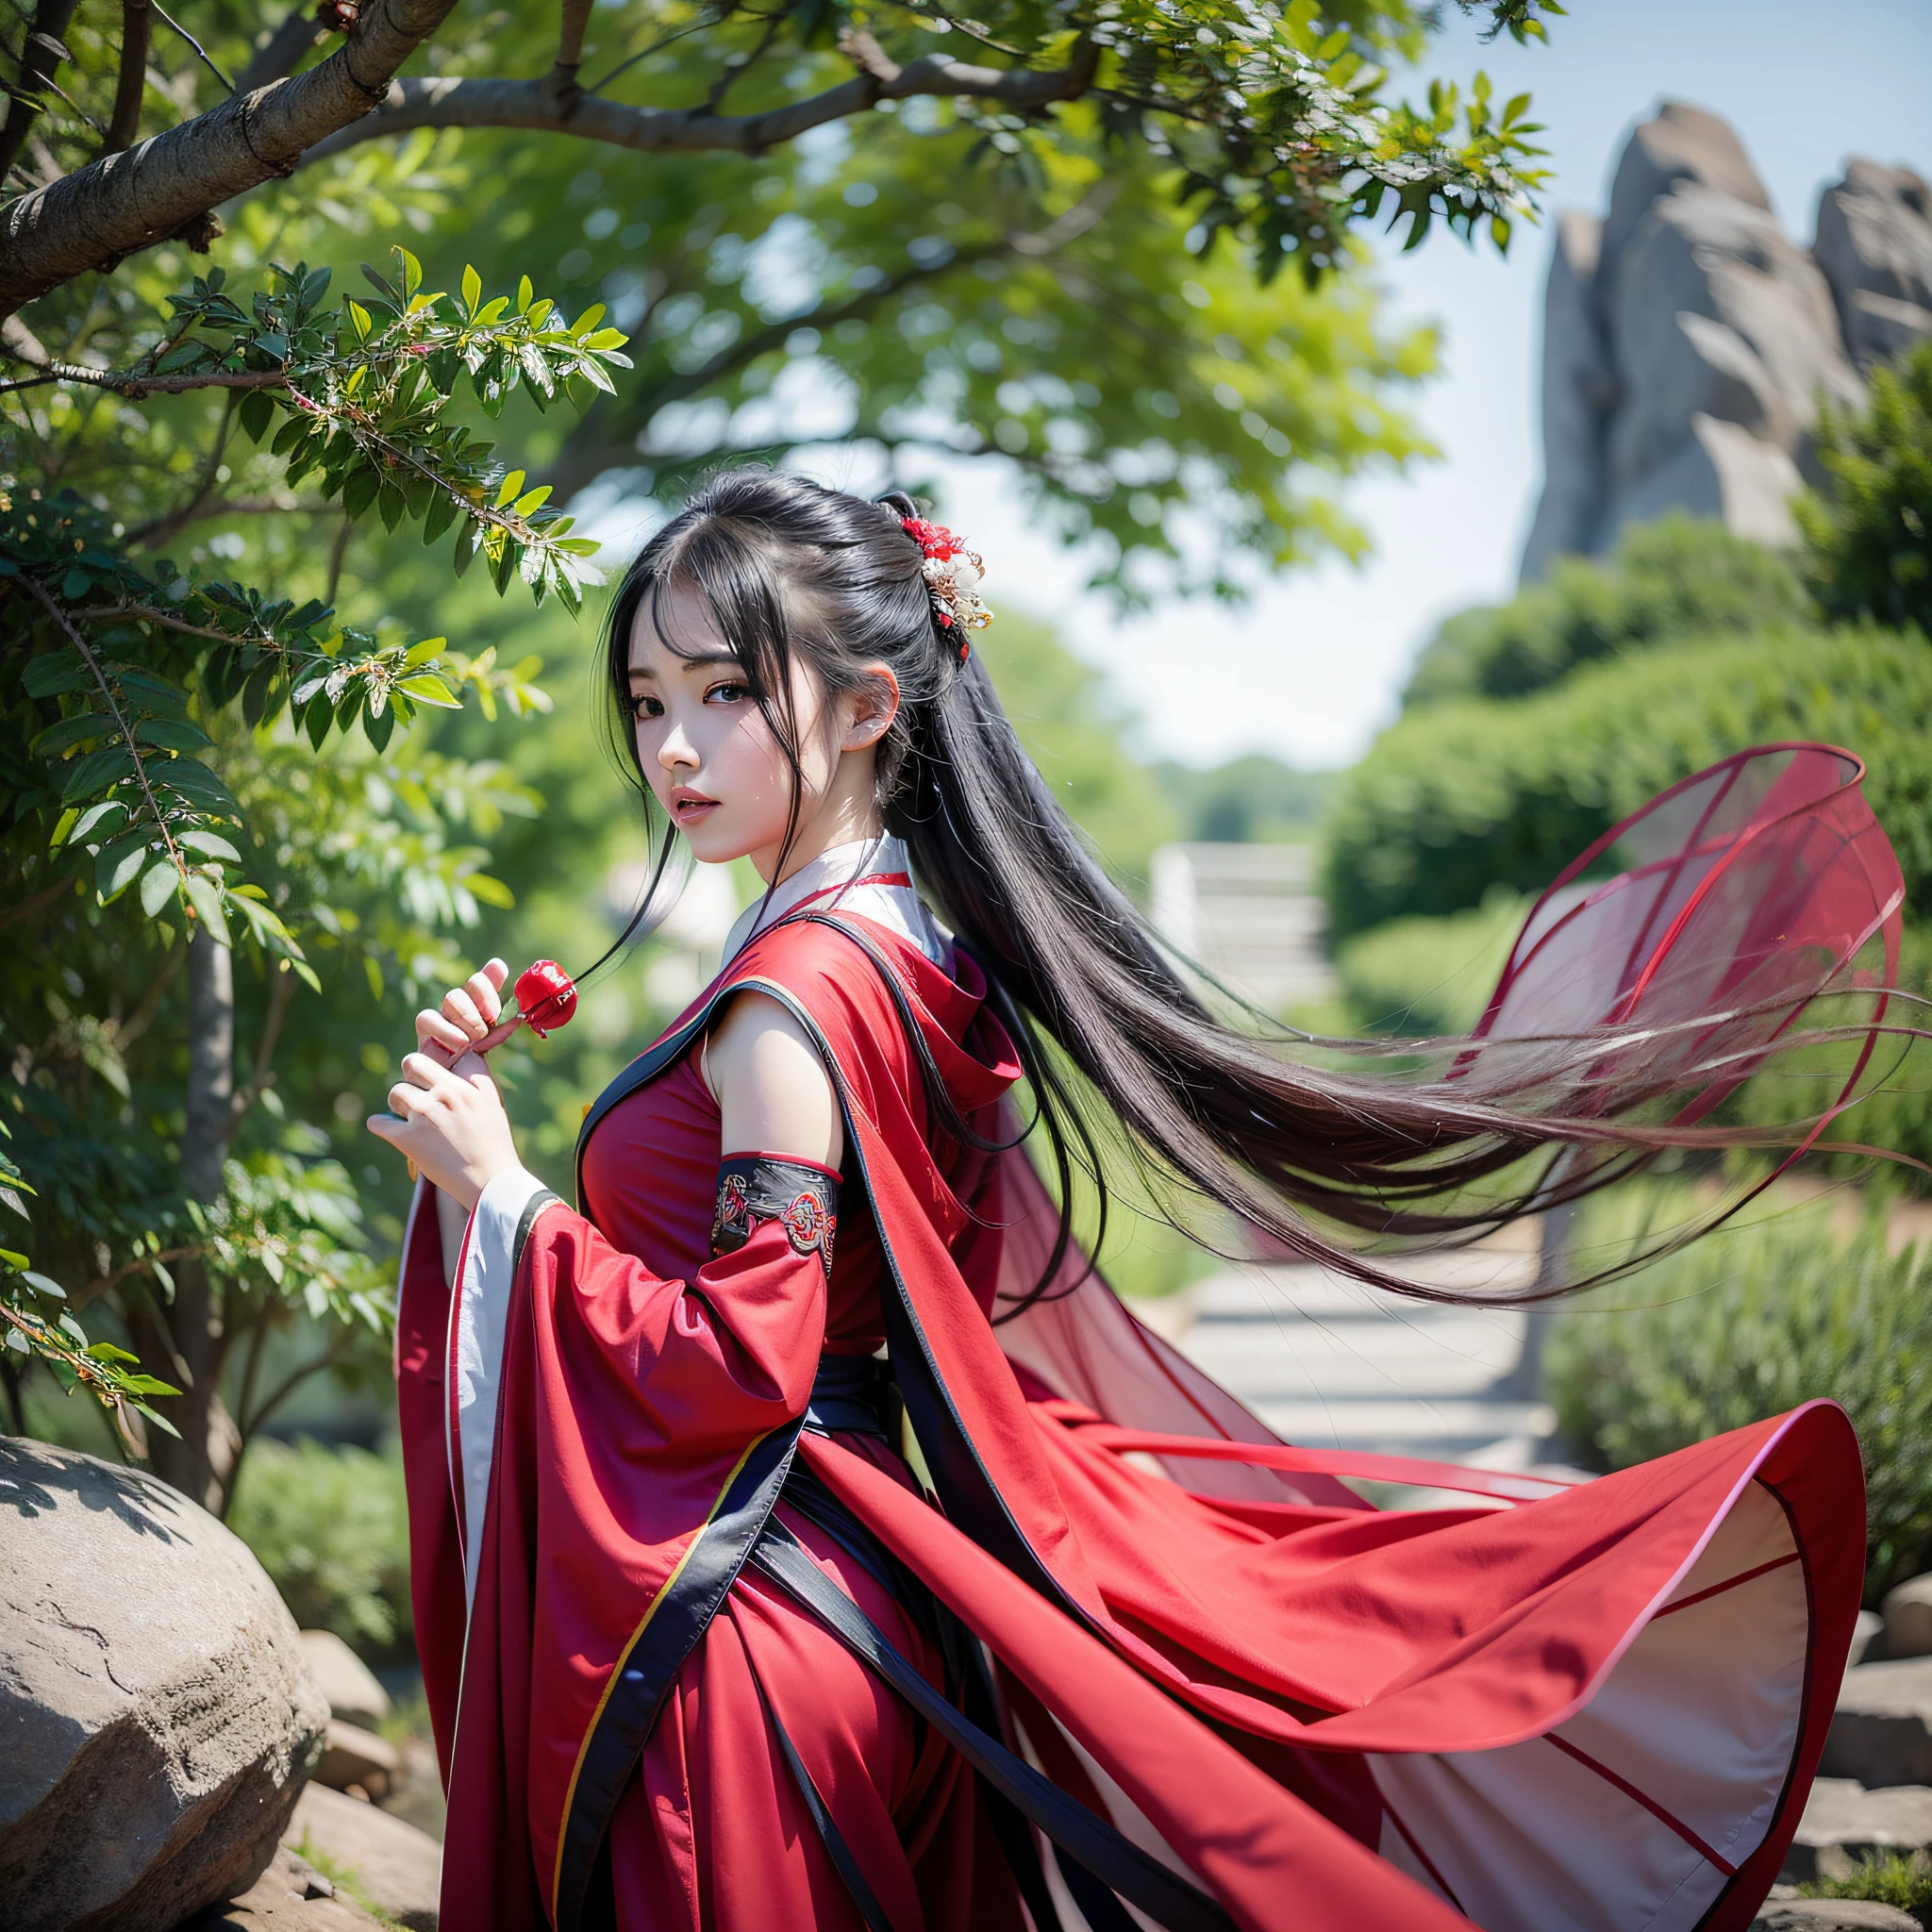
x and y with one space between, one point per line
804 1536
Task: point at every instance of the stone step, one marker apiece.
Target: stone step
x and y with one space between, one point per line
1882 1731
1845 1824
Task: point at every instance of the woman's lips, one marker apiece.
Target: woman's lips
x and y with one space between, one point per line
688 807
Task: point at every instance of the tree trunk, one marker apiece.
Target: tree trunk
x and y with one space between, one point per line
201 1463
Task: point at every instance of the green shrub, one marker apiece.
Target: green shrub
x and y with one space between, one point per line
331 1528
1474 794
1670 581
1869 537
1425 976
1745 1325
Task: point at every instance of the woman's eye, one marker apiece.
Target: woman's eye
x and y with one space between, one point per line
645 706
731 691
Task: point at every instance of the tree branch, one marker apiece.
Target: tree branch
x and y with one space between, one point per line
93 218
136 29
281 988
139 386
443 102
44 52
35 903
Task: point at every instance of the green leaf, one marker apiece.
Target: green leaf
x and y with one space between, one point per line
42 1284
94 817
359 492
120 863
97 771
171 734
57 673
391 505
491 891
422 653
379 726
257 413
412 273
438 516
157 889
429 690
206 897
473 290
507 491
69 732
77 583
525 294
531 501
209 844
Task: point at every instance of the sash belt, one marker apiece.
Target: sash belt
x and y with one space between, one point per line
853 1394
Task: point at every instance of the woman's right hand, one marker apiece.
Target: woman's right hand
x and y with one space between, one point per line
468 1013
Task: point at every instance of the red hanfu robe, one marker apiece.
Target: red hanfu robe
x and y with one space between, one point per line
1600 1709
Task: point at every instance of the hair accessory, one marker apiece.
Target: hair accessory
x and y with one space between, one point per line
952 575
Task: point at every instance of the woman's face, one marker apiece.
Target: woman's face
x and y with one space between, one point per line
710 758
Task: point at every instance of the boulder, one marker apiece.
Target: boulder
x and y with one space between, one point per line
355 1756
1907 1613
291 1896
1844 1825
156 1719
392 1865
1688 341
1881 1733
1867 1640
1874 244
1832 1915
351 1687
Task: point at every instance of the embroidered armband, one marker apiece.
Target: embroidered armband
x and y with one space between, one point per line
803 1199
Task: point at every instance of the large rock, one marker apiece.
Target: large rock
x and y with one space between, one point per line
156 1718
354 1693
1874 244
1844 1824
395 1867
1688 341
1881 1733
355 1756
1907 1613
291 1896
1832 1915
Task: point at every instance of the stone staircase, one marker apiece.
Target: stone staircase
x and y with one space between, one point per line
1329 1362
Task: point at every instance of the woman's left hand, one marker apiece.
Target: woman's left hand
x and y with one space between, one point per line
450 1123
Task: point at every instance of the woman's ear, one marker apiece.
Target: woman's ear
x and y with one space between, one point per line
870 708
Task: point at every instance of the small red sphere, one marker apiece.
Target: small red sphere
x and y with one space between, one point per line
547 997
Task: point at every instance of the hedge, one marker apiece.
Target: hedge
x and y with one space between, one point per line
1677 578
1460 797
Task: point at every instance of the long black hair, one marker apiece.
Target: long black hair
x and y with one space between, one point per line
1225 1114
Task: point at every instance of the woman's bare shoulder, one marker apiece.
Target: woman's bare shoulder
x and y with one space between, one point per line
773 1093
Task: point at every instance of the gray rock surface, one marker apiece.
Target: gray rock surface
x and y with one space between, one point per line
1832 1915
354 1693
1907 1613
156 1717
355 1756
1843 1824
1874 244
291 1896
397 1867
1881 1733
1688 341
1868 1645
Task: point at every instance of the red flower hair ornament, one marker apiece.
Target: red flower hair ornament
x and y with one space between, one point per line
953 577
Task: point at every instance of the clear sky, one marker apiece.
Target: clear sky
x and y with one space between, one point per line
1313 669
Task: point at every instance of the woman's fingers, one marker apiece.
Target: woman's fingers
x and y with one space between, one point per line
460 1009
433 1030
481 986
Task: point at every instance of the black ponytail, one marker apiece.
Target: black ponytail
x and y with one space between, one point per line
1275 1129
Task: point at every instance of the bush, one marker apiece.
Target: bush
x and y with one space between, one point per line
1746 1324
1421 978
331 1528
1668 581
1469 794
1869 538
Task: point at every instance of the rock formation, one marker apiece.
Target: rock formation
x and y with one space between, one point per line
156 1719
1688 341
